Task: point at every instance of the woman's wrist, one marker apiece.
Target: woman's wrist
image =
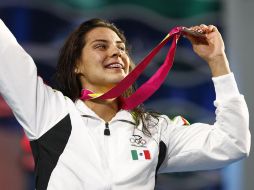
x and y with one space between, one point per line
219 65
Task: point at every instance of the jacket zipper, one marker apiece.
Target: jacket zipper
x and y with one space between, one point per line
106 130
106 146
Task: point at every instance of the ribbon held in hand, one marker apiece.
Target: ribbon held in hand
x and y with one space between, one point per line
150 86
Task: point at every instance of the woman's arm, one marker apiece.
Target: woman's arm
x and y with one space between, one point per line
202 146
213 51
35 105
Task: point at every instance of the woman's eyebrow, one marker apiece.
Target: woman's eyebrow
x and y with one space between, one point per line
106 41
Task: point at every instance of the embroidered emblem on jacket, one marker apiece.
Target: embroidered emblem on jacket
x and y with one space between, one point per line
140 155
138 141
179 120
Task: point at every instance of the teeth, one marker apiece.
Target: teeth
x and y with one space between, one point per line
115 65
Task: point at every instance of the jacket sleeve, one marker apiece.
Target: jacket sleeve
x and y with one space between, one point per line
35 105
202 146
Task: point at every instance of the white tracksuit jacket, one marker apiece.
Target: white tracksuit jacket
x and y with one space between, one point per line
72 152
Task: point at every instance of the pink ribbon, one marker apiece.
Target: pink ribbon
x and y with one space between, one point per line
150 86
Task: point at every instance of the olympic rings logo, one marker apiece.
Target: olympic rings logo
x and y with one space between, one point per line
137 140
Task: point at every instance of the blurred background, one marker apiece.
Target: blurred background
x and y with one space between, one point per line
41 26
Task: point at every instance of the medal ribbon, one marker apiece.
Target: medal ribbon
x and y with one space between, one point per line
150 86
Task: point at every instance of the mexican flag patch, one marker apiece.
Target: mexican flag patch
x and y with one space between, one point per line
140 155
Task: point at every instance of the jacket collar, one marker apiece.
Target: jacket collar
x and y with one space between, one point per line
85 110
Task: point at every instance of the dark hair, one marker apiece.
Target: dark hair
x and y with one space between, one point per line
67 80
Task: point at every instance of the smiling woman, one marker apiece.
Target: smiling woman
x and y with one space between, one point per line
93 143
104 61
97 45
96 57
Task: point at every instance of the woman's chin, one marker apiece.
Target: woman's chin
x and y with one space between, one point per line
116 78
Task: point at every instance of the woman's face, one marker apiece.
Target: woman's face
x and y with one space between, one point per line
104 62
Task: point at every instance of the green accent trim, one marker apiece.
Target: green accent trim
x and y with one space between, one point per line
171 9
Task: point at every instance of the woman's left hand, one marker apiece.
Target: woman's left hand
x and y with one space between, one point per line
213 50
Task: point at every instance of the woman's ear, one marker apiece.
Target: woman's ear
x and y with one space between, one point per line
77 69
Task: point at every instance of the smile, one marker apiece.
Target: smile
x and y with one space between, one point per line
115 66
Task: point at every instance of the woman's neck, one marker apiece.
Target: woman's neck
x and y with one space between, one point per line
105 109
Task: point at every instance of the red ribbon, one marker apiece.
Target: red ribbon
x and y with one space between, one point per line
150 86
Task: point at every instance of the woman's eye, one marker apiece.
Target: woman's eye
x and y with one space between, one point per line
122 48
100 46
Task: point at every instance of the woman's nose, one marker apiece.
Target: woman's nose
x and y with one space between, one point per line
115 51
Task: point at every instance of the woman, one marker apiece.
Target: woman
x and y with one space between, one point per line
91 144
